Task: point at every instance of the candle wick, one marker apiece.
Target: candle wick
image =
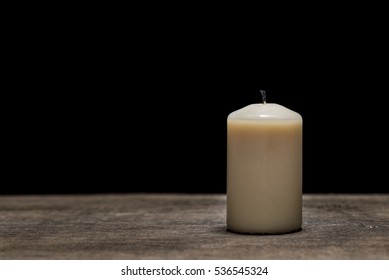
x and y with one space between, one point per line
263 92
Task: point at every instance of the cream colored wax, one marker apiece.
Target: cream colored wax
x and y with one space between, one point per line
264 169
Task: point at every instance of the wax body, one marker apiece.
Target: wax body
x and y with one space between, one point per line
264 170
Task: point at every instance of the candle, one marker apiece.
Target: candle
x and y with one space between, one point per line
264 169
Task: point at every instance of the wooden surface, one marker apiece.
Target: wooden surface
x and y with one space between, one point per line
139 226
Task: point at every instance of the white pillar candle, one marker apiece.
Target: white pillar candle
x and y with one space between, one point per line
264 170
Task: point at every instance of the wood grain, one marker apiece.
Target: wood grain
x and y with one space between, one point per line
182 226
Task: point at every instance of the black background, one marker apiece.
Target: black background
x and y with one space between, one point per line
151 139
146 112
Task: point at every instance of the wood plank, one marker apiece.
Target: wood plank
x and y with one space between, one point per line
183 226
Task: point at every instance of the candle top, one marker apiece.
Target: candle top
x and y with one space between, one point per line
268 111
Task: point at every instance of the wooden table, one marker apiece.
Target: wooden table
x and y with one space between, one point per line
178 226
